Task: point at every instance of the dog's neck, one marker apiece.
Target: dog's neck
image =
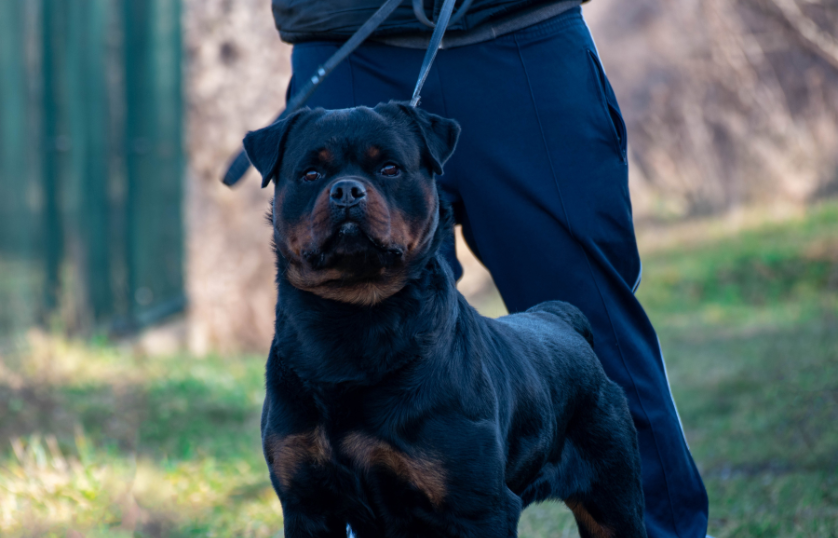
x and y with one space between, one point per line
316 336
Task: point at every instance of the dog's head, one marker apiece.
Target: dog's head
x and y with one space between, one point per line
355 207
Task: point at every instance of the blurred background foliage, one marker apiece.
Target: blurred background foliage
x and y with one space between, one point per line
116 120
91 224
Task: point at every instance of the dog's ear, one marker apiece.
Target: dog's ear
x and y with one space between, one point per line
439 134
265 147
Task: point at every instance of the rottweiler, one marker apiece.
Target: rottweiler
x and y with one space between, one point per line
392 406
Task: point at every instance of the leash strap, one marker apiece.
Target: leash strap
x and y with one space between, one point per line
238 167
433 46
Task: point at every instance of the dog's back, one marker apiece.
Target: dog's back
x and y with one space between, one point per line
567 313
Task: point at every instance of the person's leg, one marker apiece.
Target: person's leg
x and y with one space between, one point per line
542 173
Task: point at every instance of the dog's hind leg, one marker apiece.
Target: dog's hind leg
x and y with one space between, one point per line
589 527
601 469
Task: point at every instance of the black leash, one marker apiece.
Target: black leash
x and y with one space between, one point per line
238 167
433 46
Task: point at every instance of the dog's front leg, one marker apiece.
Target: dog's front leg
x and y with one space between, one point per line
504 522
303 477
311 521
309 510
497 519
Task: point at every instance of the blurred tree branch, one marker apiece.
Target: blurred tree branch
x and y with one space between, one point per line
815 39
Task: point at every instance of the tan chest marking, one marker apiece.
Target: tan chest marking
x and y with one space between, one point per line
287 454
425 474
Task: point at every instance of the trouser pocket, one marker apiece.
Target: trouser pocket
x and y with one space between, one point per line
609 104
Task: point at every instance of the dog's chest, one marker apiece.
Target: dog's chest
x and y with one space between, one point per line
352 463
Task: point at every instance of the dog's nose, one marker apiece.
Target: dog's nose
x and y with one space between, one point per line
347 192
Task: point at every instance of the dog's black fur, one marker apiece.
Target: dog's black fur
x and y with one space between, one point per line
391 404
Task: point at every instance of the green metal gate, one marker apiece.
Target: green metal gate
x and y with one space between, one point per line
91 164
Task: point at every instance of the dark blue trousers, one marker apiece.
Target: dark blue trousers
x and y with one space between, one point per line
539 182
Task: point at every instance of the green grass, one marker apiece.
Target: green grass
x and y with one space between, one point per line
114 444
96 441
749 326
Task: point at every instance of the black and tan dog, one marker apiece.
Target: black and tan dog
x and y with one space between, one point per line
391 404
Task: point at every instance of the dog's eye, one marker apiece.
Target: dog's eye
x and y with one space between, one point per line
311 175
390 170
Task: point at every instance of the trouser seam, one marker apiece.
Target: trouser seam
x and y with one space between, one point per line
637 281
352 80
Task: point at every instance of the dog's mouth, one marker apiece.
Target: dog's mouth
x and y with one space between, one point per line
355 250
